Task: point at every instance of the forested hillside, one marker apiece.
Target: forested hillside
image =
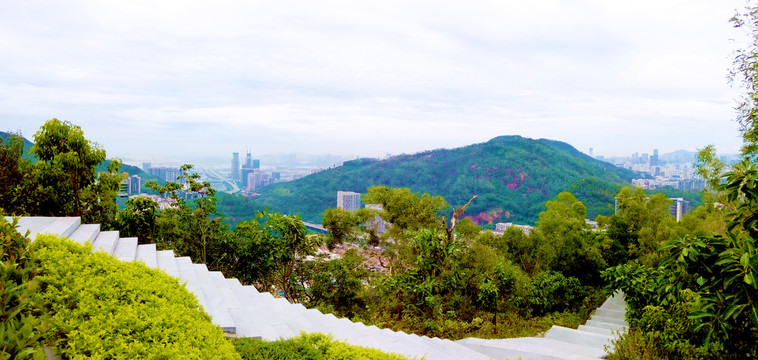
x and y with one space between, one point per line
513 177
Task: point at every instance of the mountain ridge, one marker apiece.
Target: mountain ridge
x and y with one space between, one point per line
513 176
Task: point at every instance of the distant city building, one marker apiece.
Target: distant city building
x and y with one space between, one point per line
146 167
679 208
348 200
654 158
247 169
166 173
501 227
134 185
256 164
123 187
377 223
235 167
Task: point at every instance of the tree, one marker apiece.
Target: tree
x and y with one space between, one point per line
269 251
138 219
563 226
193 228
14 170
341 225
337 285
67 155
98 206
21 308
406 210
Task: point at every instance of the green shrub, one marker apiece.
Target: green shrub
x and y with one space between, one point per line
289 349
314 346
104 308
20 303
666 333
551 291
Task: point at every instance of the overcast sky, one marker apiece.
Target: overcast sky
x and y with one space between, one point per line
180 79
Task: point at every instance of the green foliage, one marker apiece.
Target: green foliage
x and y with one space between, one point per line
14 177
313 346
337 285
285 349
192 228
721 271
269 251
104 308
20 303
406 210
98 202
138 219
341 225
513 177
665 333
70 158
551 291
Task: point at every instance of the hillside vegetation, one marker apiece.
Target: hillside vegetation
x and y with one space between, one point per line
512 175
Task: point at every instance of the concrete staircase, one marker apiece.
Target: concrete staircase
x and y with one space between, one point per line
589 341
243 311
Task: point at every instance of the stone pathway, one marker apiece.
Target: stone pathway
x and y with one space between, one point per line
243 311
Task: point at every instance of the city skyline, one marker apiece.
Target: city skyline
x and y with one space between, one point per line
192 79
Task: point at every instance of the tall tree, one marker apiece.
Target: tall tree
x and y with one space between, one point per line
192 227
13 171
66 154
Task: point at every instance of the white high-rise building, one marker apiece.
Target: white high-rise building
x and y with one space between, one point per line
348 200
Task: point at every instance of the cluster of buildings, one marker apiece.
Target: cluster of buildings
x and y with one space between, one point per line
163 173
131 185
249 174
678 172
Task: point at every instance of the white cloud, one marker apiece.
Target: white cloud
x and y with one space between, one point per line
370 77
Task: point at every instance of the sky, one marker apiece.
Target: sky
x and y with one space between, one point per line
183 79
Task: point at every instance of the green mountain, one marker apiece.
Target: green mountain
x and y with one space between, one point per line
27 144
513 177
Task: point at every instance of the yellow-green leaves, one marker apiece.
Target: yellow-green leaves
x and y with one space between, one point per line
104 308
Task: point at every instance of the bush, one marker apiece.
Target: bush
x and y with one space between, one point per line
104 308
20 303
289 349
666 333
551 291
314 346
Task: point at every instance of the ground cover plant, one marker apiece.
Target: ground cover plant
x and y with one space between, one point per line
103 308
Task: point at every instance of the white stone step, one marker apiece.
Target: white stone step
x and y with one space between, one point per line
148 254
32 224
610 320
247 326
579 337
85 234
218 279
126 249
167 262
184 263
610 313
62 226
216 304
615 302
106 241
531 348
601 324
597 330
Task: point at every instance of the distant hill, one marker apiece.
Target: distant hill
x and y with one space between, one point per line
27 144
679 157
512 175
